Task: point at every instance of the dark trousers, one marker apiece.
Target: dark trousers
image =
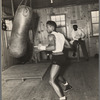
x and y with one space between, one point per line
83 47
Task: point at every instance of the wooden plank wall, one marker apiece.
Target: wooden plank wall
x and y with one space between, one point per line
79 15
74 15
6 59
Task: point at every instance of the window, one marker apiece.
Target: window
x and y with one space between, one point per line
95 23
8 24
59 19
61 22
7 31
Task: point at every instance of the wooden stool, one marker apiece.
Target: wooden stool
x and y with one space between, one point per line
78 52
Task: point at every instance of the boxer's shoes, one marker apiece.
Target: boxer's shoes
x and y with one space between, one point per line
63 98
74 54
67 87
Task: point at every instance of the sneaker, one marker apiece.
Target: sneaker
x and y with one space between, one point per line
68 87
63 98
74 54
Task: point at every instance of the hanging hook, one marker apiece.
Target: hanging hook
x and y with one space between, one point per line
25 2
21 2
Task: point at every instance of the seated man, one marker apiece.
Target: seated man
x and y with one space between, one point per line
78 37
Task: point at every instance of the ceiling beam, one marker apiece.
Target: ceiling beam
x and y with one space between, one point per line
47 3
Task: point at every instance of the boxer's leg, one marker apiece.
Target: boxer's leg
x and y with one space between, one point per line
53 75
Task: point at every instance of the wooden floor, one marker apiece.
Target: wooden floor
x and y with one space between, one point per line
83 77
26 71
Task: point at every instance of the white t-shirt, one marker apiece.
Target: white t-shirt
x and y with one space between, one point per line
60 40
78 34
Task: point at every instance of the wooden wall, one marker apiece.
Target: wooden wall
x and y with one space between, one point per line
74 15
79 15
6 59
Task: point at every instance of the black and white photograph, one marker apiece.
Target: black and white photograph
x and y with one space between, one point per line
50 49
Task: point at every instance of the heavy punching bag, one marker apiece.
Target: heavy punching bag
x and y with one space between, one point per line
20 30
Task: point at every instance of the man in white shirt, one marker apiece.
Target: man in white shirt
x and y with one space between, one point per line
78 36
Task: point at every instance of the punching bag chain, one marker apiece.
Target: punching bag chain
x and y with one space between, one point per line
25 2
21 2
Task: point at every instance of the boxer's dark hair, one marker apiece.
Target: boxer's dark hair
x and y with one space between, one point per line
52 23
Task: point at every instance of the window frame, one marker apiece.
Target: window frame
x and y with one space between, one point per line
60 21
93 34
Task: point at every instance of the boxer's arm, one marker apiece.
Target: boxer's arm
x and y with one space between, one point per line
67 44
52 43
